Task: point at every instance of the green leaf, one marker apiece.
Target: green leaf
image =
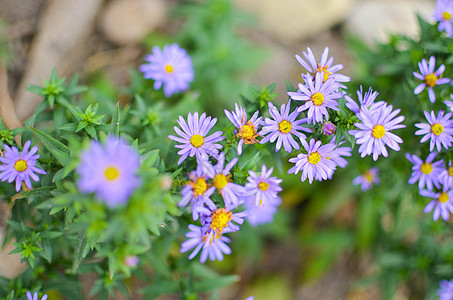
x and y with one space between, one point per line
214 283
115 124
59 150
161 288
81 251
49 235
81 126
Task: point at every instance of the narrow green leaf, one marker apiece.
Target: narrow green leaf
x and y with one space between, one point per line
59 150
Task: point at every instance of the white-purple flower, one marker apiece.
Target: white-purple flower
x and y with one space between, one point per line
425 172
35 296
442 203
20 166
318 96
446 177
197 192
445 291
170 67
246 130
373 132
338 153
194 139
430 77
325 67
366 100
316 164
217 220
262 213
439 130
109 171
264 188
211 246
443 14
220 175
367 179
282 126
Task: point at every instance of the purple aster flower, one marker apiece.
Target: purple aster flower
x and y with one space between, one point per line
263 187
446 177
449 103
374 134
318 96
425 172
439 130
217 220
442 203
35 296
171 67
212 248
443 14
366 100
445 292
194 139
220 176
328 128
325 67
367 179
245 130
429 77
316 163
338 153
261 213
20 166
109 171
197 192
282 126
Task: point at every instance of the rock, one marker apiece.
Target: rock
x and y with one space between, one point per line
294 20
128 21
372 21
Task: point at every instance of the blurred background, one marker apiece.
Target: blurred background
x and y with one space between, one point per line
312 251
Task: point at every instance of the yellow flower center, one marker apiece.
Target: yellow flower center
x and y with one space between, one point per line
317 99
368 177
169 69
426 168
111 173
378 131
443 197
431 79
323 69
446 16
263 185
197 140
285 126
20 165
450 171
437 129
247 131
314 158
199 187
220 219
220 181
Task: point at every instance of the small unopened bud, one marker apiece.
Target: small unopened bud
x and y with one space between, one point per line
328 128
165 182
131 261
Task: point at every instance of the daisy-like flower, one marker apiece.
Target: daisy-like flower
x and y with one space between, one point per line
217 220
109 171
367 179
318 96
220 176
442 203
373 132
194 139
425 172
338 153
325 67
170 67
263 187
439 130
261 213
316 163
445 291
429 77
443 14
35 296
20 166
366 100
446 177
197 192
245 130
212 248
282 126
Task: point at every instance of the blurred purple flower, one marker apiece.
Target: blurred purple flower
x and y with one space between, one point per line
20 166
367 179
445 290
171 67
35 296
443 14
446 177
